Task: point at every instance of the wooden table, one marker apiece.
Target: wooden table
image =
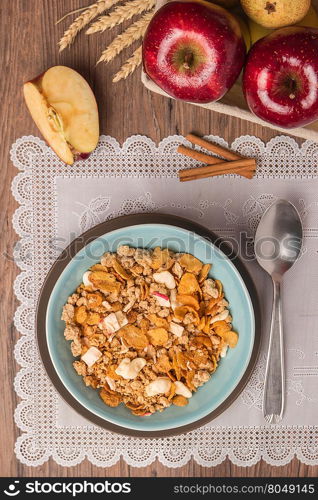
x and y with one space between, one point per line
28 45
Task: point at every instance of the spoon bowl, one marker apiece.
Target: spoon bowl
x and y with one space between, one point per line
278 241
278 238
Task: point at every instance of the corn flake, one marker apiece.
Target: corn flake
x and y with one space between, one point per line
204 272
110 398
94 300
188 285
111 372
161 259
163 364
172 391
188 300
80 314
230 338
221 327
98 267
190 263
93 318
160 322
133 336
158 336
219 287
101 276
120 270
180 401
203 340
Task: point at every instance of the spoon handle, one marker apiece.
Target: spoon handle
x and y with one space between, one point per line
274 390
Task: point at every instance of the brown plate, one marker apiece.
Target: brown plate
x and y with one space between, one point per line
68 254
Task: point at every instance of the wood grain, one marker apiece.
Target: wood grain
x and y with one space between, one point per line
29 45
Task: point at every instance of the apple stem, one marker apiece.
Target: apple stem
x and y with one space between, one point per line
188 59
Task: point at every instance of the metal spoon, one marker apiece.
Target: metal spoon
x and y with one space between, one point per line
278 242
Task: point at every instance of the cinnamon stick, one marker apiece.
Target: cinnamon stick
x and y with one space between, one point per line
214 148
245 167
197 155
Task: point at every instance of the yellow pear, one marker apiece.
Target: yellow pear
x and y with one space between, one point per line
257 31
276 13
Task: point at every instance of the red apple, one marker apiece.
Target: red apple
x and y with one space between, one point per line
193 50
280 80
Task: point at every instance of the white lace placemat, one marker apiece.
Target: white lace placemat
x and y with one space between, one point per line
58 203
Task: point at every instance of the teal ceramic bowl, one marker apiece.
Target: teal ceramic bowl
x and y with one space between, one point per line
209 397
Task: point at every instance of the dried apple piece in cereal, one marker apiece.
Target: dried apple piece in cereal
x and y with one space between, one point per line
133 336
93 318
204 272
120 270
109 398
188 285
180 401
188 300
190 263
94 300
157 321
158 336
230 338
80 314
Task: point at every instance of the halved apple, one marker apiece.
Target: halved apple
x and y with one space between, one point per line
64 109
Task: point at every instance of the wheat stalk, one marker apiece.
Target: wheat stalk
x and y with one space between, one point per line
130 65
127 38
120 14
82 21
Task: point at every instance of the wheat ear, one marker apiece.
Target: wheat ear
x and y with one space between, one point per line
129 66
127 38
120 14
82 21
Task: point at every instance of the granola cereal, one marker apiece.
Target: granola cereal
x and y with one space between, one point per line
148 328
